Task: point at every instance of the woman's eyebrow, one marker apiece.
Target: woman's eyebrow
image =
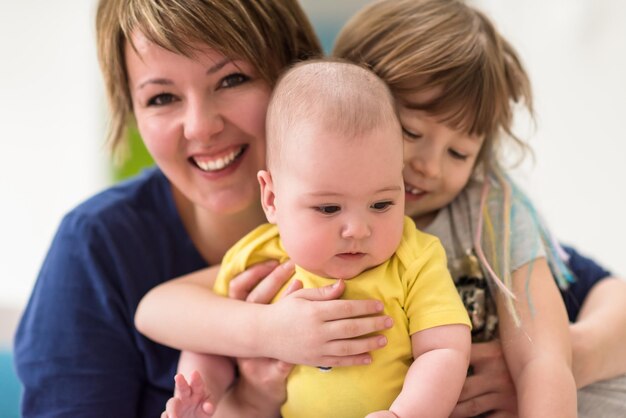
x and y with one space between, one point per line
166 81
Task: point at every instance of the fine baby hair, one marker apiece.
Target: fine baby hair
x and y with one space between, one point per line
331 95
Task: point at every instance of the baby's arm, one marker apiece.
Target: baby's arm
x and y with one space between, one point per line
538 353
434 380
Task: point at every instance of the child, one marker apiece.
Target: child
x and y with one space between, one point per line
334 195
455 80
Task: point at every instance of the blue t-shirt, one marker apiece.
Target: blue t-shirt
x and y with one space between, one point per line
586 273
77 351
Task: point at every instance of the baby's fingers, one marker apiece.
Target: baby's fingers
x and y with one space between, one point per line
181 387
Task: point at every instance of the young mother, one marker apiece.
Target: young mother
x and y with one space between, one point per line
196 78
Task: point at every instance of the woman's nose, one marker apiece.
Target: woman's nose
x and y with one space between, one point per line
202 121
356 229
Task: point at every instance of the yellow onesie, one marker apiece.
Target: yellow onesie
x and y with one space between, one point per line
418 293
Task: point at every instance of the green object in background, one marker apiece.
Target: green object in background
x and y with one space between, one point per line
135 157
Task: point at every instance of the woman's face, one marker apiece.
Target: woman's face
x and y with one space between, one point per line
203 121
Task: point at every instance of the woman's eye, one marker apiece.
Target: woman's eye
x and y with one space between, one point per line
382 206
328 209
161 99
233 80
457 155
411 136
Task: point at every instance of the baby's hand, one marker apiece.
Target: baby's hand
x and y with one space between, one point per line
382 414
190 400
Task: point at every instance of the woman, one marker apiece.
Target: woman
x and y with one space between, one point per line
196 76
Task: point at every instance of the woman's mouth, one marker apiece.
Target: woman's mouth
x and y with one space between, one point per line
214 164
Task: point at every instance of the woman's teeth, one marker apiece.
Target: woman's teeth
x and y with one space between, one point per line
218 163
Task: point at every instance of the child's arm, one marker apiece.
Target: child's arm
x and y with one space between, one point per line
434 380
184 313
538 353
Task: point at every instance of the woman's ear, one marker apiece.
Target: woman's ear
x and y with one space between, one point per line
267 195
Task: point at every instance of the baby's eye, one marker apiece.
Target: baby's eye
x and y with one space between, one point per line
410 136
161 99
328 209
233 80
457 155
382 206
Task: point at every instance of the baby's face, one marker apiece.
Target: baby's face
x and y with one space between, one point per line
340 201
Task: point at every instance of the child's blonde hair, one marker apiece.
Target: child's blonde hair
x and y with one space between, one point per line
332 95
269 34
420 45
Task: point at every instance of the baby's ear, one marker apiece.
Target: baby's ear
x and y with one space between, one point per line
267 195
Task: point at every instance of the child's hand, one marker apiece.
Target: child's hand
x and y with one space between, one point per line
190 399
490 387
382 414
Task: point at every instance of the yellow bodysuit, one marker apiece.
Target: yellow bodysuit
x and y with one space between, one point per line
418 293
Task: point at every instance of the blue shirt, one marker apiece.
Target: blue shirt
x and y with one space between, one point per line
586 273
77 351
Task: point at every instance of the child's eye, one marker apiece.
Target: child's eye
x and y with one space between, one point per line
161 99
411 136
233 80
328 209
457 155
382 206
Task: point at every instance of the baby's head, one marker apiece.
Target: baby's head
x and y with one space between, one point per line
334 154
447 59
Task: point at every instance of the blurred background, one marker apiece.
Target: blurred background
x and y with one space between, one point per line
53 118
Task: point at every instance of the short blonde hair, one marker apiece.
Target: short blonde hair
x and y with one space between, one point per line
418 45
332 95
269 34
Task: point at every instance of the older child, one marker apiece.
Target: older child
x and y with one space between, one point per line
455 80
334 191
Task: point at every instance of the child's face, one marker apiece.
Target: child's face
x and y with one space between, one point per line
339 202
438 162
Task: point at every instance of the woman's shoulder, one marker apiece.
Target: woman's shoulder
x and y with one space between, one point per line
143 199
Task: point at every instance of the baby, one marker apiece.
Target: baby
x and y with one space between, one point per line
333 194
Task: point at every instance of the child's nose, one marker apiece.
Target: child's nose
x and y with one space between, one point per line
427 165
356 229
202 121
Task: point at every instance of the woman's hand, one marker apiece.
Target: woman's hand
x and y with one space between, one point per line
311 326
263 380
489 387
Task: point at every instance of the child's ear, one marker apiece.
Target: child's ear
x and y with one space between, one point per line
267 195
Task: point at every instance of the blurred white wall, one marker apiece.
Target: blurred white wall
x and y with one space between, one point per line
51 124
52 116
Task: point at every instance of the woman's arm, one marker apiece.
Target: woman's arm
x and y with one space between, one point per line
599 334
538 352
308 327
